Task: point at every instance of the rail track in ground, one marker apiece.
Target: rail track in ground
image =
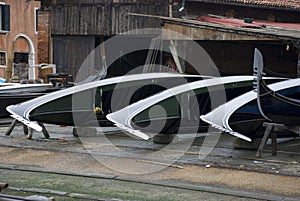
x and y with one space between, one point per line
41 192
63 145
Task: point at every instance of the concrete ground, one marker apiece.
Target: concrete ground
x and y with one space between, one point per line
117 166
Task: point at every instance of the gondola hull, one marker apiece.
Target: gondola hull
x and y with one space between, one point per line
241 116
139 117
11 99
277 107
248 120
244 116
88 104
17 93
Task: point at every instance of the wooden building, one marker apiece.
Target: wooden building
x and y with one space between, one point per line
229 30
77 27
18 37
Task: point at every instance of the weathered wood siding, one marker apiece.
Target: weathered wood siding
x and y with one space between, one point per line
71 51
103 17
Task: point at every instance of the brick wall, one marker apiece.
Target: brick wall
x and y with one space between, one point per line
43 36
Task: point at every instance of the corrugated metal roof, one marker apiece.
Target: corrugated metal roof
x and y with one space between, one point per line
288 4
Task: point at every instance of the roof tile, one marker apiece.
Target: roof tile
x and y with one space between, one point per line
289 4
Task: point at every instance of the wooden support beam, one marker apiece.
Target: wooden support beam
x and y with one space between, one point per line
274 143
27 131
11 127
3 185
204 33
30 133
268 130
271 129
44 130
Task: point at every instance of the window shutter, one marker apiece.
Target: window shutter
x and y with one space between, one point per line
36 20
6 18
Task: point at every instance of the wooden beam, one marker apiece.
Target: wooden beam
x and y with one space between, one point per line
202 33
193 29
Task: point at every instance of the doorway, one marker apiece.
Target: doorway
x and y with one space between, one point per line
20 67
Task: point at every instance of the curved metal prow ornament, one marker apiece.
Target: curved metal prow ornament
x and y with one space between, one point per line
258 73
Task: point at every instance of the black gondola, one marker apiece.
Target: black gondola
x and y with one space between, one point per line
88 104
244 116
178 112
22 92
276 107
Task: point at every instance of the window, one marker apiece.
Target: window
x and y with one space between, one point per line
4 17
36 17
2 59
20 57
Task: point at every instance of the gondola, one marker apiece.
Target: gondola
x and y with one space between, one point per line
177 110
17 87
88 104
17 93
281 108
244 116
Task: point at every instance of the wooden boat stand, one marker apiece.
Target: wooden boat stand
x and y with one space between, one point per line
27 131
271 129
3 185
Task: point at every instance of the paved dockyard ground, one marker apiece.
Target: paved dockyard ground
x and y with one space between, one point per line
107 167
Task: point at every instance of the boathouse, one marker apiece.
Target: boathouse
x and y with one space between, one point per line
228 30
77 27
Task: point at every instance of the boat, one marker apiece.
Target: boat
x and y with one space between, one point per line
5 84
17 87
17 93
243 117
88 104
177 110
281 108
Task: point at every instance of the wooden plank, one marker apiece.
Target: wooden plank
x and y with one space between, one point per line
267 133
93 20
125 18
116 19
274 143
11 127
199 33
84 16
102 20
